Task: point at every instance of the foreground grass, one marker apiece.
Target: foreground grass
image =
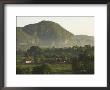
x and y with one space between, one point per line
87 68
55 68
61 68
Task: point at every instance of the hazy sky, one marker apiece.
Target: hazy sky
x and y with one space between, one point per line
75 25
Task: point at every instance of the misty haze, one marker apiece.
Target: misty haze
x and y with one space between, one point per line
45 46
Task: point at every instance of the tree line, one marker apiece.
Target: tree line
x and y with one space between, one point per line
81 59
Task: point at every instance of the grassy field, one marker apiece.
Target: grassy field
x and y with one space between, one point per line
74 60
62 68
55 68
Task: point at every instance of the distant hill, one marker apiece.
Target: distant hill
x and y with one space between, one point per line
84 40
49 34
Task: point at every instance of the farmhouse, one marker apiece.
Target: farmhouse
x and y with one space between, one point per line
28 60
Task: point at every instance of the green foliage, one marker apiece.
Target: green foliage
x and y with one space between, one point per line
30 69
33 51
75 66
45 68
23 70
37 70
77 60
60 51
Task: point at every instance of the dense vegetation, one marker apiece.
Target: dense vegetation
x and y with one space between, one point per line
71 60
60 51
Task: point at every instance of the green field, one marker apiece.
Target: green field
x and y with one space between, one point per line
75 60
55 68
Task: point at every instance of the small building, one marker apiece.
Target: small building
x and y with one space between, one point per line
28 62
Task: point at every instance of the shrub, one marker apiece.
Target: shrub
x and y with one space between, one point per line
42 69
